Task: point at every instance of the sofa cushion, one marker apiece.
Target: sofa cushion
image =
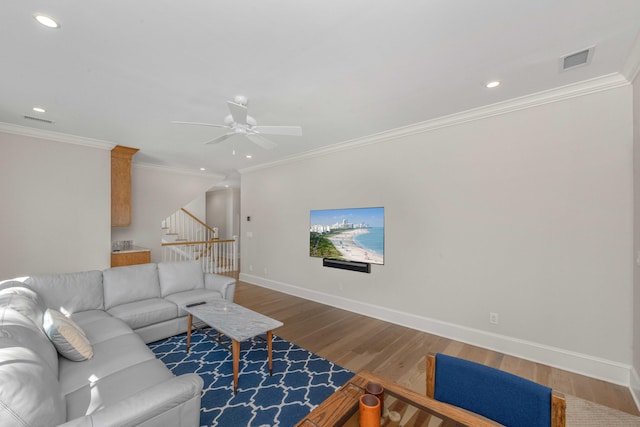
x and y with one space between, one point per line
100 326
69 338
131 283
180 276
29 392
109 356
120 385
189 297
17 328
224 284
142 313
24 300
70 292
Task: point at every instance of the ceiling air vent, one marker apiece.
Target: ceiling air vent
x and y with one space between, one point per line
38 119
577 59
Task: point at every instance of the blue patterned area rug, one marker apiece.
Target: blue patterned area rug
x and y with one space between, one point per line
301 380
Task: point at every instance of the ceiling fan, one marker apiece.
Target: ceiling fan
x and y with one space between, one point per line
240 123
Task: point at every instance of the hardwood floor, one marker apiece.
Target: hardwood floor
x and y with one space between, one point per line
397 353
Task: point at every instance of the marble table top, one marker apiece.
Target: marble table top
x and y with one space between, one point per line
233 320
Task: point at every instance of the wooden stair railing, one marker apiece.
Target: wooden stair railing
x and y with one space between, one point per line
196 219
193 239
216 255
185 226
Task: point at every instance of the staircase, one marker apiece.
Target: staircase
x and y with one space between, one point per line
187 238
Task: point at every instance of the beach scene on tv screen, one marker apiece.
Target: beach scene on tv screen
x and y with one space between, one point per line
348 234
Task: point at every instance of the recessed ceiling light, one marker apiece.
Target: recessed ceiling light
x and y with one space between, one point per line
203 169
39 110
226 186
46 21
249 156
493 84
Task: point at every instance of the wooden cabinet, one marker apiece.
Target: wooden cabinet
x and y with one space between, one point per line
121 185
118 259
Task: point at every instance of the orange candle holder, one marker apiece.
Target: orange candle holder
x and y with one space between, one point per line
378 391
369 411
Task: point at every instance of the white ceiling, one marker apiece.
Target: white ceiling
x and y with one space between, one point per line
120 70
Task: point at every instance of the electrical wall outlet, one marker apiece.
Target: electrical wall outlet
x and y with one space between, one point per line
493 318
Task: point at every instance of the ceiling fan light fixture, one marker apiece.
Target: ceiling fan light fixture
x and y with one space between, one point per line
240 99
47 21
240 123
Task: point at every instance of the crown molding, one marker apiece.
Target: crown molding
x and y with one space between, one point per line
586 87
94 143
611 81
55 136
182 171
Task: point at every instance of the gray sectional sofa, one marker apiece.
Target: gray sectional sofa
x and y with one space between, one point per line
113 314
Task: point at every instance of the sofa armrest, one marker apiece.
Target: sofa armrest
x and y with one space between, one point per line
224 284
145 405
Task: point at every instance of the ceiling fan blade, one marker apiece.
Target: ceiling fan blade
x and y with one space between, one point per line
261 141
238 112
279 130
200 124
220 138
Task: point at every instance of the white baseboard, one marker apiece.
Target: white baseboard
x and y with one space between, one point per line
634 386
584 364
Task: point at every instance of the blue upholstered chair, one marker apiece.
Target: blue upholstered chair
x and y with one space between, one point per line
498 395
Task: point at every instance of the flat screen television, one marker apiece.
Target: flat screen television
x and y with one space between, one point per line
355 234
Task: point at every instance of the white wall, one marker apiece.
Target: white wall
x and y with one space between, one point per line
527 214
56 200
156 193
223 210
198 207
635 378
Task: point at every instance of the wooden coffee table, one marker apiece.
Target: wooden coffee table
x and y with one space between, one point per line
236 322
409 408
